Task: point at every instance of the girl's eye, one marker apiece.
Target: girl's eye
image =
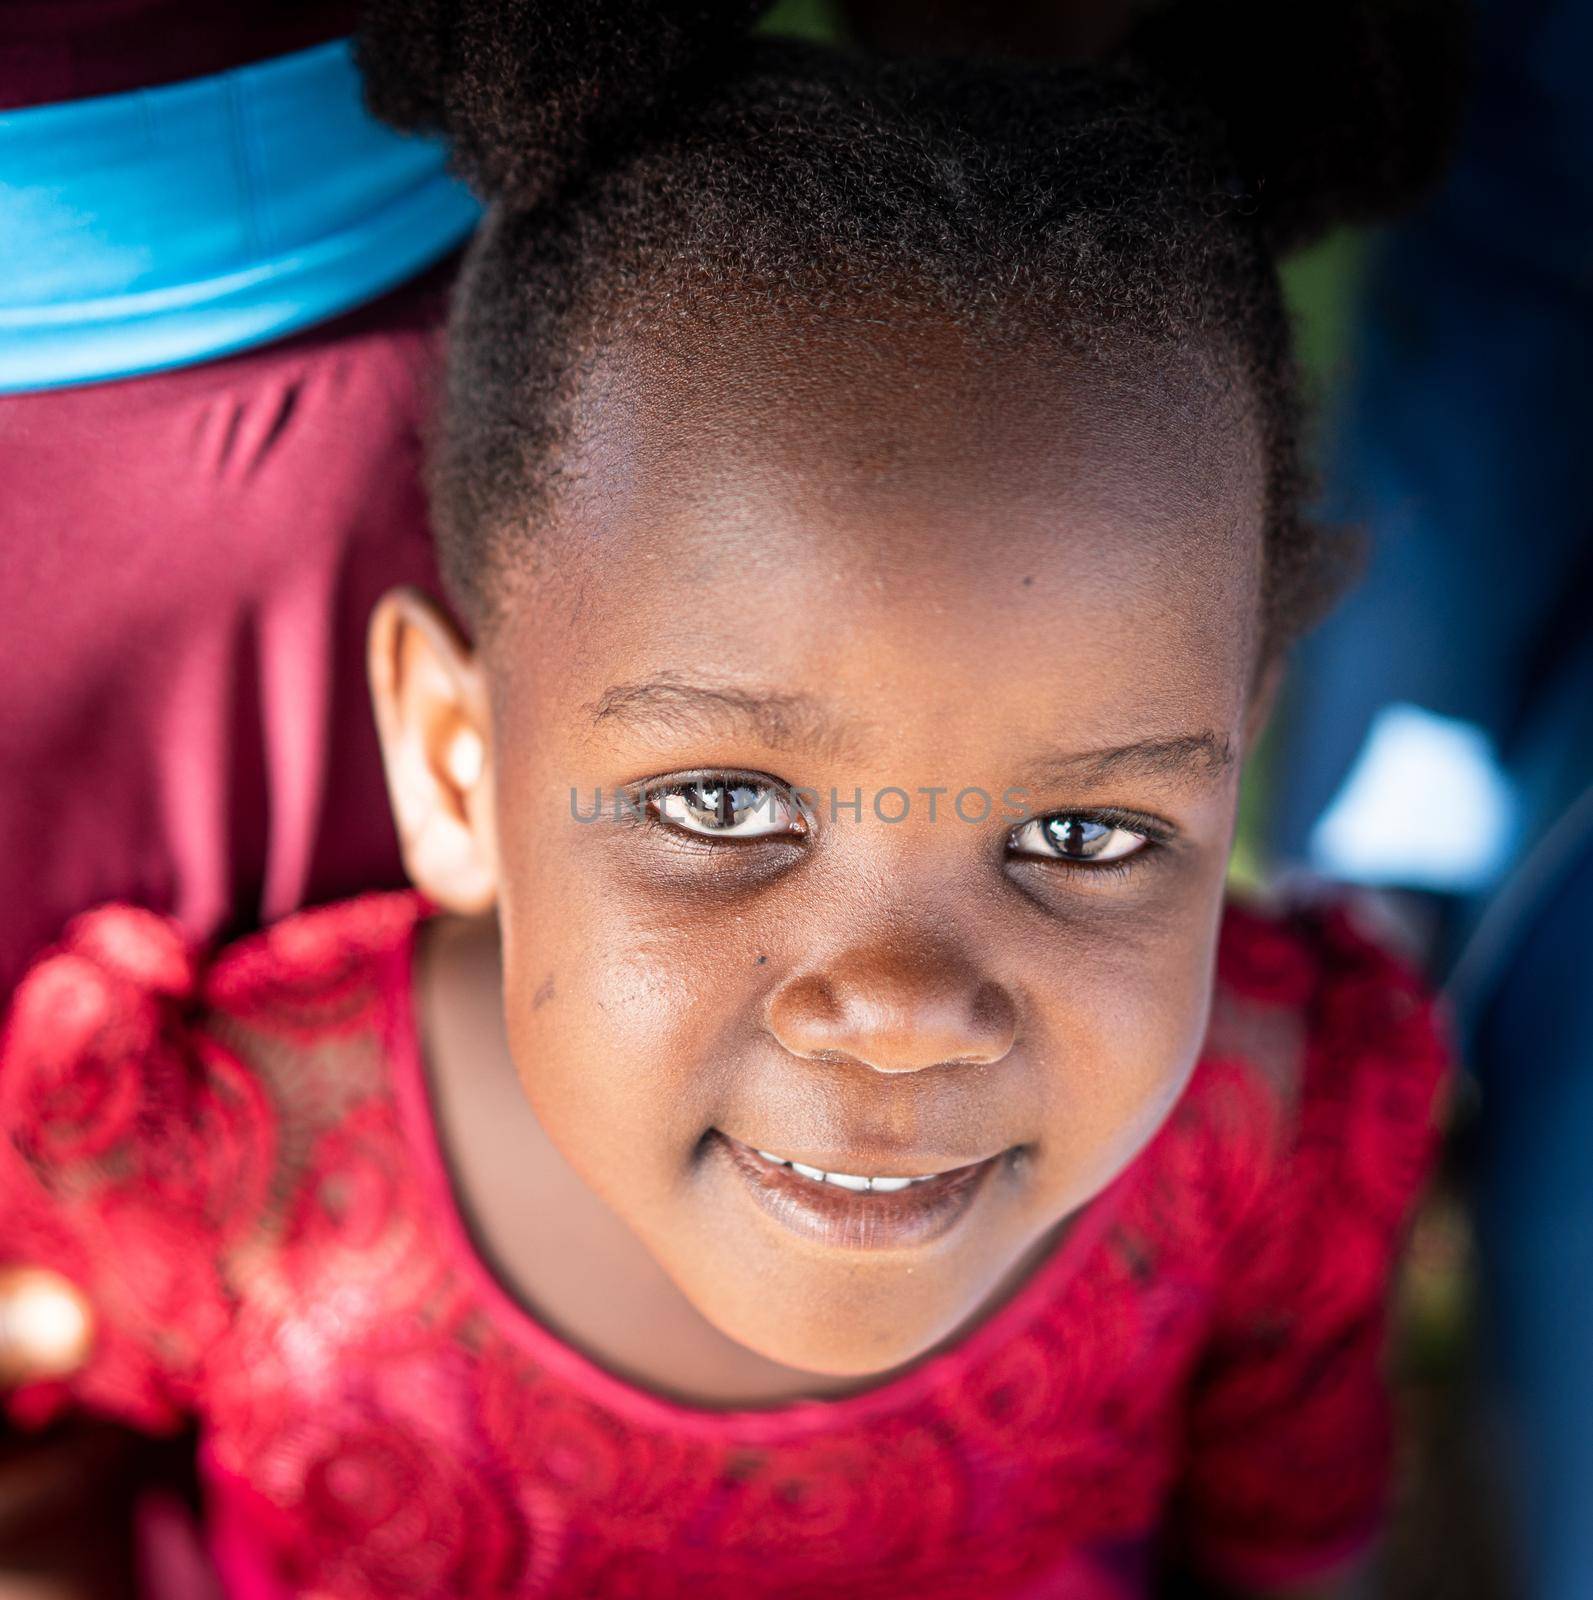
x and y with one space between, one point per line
1072 836
728 808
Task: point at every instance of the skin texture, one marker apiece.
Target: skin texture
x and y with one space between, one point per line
840 561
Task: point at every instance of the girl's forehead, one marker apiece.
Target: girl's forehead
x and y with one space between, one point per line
1005 534
987 436
910 447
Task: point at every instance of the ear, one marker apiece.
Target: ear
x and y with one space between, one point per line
431 716
1263 698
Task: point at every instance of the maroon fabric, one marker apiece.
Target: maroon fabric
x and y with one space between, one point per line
71 49
187 564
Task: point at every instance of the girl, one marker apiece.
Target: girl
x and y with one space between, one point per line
820 1131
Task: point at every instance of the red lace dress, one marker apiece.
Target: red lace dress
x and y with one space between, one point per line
236 1162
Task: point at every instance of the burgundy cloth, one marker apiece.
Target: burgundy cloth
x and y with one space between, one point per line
187 565
236 1161
72 49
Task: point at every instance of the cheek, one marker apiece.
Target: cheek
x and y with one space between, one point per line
1127 1032
615 1018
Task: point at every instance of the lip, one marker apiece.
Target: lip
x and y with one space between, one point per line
872 1220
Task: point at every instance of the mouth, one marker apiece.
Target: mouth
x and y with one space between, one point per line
860 1211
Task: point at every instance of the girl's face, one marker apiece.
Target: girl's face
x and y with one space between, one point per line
861 774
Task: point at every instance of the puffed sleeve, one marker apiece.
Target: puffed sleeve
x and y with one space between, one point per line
1289 1425
134 1152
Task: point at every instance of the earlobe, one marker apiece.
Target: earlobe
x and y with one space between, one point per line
431 717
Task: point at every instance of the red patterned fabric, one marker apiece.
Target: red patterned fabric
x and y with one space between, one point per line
235 1160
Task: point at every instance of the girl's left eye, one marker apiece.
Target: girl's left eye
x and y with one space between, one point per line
722 807
1074 836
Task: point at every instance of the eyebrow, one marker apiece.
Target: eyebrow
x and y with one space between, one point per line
679 705
1200 755
788 720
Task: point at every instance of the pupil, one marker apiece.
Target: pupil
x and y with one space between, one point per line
713 803
724 804
1075 836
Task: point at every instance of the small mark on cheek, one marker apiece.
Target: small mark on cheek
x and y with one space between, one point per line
762 960
1028 583
544 993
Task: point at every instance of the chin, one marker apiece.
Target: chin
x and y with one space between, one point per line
838 1349
857 1320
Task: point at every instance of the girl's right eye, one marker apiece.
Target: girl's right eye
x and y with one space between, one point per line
723 807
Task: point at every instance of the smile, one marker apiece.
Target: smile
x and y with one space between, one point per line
868 1211
846 1180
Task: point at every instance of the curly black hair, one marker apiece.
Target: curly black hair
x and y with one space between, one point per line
641 156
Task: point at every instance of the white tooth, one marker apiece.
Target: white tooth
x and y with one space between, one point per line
889 1185
779 1161
815 1173
846 1180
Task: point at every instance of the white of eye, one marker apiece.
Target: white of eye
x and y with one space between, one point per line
728 808
1068 836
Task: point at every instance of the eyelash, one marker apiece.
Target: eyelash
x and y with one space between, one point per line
1156 834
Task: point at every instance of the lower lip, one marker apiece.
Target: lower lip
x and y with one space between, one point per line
853 1219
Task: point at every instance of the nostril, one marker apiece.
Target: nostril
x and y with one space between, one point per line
994 1023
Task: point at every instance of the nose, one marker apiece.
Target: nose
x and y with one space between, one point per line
894 1010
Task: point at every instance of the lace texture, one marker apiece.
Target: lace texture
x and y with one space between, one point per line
231 1158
